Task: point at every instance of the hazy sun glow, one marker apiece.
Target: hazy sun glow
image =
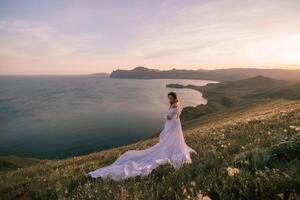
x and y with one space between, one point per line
81 37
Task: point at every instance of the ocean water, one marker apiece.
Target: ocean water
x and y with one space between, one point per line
61 116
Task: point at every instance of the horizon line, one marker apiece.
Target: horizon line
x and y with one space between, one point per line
93 73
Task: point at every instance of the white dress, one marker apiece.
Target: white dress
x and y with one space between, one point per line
171 149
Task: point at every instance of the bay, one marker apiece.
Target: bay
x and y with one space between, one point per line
61 116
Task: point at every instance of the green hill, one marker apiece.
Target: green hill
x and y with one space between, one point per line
228 94
247 88
14 162
247 152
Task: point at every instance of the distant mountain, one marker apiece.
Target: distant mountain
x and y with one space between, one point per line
242 73
145 73
217 75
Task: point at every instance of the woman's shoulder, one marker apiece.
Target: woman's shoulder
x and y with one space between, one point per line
175 105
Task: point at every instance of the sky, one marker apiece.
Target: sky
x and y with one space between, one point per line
90 36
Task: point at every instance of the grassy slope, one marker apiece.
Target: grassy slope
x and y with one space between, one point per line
249 89
256 139
229 94
14 162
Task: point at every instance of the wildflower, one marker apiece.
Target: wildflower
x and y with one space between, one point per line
297 129
232 171
292 127
280 195
260 173
183 188
201 196
236 157
193 183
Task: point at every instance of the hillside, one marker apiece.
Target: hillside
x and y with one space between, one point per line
228 94
202 74
14 162
247 152
145 73
256 87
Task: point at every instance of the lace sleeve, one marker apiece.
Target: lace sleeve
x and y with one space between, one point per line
173 113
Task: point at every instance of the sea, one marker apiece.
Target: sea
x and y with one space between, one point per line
53 117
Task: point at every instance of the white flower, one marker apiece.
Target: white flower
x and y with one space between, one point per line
292 127
206 198
202 197
232 171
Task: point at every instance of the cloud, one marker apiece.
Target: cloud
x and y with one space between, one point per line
87 38
28 47
224 33
33 39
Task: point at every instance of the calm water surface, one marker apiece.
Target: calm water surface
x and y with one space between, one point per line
61 116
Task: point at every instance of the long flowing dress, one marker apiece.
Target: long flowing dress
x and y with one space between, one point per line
171 149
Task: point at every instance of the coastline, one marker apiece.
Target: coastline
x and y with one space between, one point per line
57 91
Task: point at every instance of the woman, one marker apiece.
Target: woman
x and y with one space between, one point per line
171 149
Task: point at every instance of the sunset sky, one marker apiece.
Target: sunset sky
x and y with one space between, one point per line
82 37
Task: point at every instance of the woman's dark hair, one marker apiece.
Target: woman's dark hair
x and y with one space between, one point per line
174 95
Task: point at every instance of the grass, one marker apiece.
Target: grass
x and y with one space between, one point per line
14 162
261 141
229 94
